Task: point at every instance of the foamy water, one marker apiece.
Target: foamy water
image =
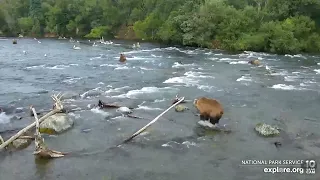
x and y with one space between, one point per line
286 87
137 58
146 91
93 92
117 89
121 68
291 78
177 145
71 80
4 118
149 108
245 78
178 65
55 67
99 111
296 56
227 59
190 78
239 62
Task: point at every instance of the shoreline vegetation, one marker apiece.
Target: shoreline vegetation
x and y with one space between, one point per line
273 26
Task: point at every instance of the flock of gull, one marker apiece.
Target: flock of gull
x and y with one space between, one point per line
77 47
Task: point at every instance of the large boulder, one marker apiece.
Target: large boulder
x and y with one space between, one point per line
21 143
124 110
56 124
180 108
267 130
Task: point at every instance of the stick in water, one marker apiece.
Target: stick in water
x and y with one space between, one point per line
1 140
150 123
3 145
59 107
40 148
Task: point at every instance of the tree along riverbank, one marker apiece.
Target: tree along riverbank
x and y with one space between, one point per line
282 27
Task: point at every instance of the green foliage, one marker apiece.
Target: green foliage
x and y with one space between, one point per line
36 28
25 24
170 31
98 32
35 9
254 42
278 26
148 28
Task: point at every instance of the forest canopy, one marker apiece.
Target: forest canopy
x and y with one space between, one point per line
277 26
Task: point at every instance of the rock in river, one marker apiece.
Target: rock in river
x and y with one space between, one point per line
124 110
21 143
180 108
57 123
266 130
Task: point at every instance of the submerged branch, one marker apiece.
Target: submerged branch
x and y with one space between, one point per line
40 148
58 107
1 140
150 123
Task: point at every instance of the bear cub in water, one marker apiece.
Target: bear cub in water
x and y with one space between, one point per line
122 58
209 109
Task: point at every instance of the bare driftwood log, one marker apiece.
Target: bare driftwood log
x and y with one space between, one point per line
25 137
1 140
135 117
104 105
41 150
150 123
176 99
58 106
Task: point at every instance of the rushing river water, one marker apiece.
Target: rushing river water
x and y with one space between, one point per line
283 91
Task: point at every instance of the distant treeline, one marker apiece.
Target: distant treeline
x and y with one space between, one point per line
277 26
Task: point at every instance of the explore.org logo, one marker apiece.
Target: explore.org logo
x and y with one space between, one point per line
284 166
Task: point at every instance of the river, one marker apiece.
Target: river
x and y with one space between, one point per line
284 91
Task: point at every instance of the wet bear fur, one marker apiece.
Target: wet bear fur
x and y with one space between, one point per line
255 62
122 58
209 109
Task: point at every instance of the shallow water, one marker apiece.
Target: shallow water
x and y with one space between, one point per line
283 88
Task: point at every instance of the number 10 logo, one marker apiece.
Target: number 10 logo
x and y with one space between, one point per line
311 166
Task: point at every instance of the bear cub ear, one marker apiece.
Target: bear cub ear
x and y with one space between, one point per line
195 101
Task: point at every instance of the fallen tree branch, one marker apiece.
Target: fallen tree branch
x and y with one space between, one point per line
58 106
176 99
150 123
1 140
24 130
136 117
103 105
25 137
41 149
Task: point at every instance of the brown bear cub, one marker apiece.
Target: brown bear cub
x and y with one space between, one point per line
209 109
122 58
254 62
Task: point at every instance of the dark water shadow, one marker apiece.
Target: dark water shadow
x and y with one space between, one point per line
43 167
